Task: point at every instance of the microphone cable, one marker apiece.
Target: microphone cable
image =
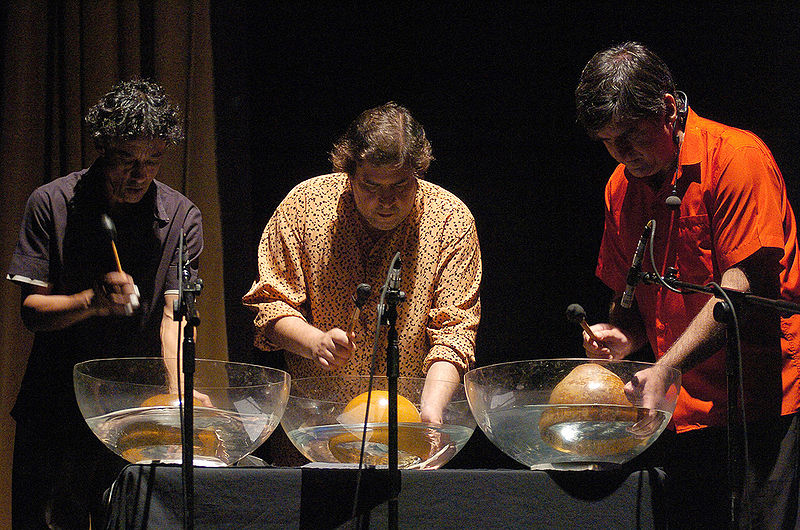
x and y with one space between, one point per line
733 327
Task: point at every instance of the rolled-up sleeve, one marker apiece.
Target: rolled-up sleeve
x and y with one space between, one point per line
454 316
30 262
279 290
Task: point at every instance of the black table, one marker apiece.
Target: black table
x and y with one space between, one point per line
150 496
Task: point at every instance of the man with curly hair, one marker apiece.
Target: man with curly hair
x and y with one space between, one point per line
336 231
82 306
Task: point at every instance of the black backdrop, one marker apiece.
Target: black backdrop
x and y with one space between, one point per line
493 86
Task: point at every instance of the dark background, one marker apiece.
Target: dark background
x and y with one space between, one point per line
493 86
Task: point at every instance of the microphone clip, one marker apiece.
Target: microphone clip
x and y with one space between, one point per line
393 298
392 295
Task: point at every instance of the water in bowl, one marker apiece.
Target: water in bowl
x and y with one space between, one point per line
420 445
577 444
149 434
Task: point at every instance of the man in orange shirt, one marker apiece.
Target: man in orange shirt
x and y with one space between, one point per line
722 215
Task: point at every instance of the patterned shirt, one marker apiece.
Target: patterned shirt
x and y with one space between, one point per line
316 249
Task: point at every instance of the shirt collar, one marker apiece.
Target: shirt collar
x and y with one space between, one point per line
159 210
691 148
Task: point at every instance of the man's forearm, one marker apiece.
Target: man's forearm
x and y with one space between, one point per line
704 336
48 312
293 334
441 382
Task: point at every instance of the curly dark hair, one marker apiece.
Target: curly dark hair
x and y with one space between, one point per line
133 109
384 135
623 83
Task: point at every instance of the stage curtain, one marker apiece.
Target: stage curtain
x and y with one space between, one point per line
58 58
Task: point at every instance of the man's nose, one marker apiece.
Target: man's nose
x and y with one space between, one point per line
387 196
137 171
619 151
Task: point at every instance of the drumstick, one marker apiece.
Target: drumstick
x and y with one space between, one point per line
575 313
111 231
360 298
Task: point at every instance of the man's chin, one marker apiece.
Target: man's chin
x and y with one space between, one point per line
638 172
384 225
128 198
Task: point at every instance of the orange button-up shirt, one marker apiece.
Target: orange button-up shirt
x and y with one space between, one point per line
316 249
733 203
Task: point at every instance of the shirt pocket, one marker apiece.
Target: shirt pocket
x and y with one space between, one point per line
693 250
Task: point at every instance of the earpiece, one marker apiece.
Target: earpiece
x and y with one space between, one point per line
673 202
682 101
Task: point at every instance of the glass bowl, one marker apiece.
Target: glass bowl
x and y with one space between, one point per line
127 404
324 419
567 414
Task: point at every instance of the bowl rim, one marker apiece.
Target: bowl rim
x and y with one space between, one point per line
287 378
296 383
581 359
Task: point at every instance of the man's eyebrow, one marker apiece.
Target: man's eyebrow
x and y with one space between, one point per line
128 154
627 132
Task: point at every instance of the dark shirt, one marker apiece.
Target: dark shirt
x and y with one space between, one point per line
62 246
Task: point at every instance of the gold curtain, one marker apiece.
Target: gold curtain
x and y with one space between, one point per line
58 59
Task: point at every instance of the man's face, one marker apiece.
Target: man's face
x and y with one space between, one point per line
130 168
644 146
384 195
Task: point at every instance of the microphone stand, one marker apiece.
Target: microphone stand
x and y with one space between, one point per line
184 306
393 298
725 313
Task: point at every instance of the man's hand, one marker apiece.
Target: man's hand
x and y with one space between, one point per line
331 349
652 390
615 343
116 294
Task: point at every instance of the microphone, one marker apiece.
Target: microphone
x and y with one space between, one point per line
673 202
391 295
636 267
394 276
576 314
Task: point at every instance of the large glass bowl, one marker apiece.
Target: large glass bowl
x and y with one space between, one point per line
127 404
325 416
543 419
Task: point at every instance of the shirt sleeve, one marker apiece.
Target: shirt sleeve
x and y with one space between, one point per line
454 316
747 205
279 290
30 262
611 267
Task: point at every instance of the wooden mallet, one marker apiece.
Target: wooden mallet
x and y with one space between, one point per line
111 231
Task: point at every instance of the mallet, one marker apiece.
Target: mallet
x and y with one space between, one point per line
111 231
576 314
360 298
